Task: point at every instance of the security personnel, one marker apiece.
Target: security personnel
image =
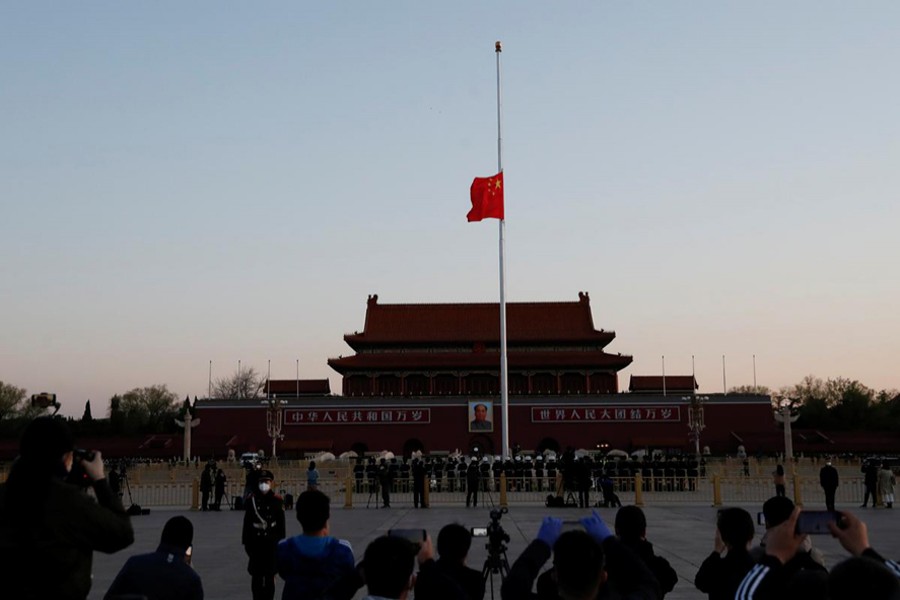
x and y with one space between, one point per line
359 471
539 472
438 471
485 471
372 475
263 528
497 469
472 476
528 473
451 475
461 472
404 475
418 474
385 480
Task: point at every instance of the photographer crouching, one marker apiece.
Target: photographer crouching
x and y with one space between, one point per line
50 527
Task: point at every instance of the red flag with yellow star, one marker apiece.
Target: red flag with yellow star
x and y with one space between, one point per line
487 198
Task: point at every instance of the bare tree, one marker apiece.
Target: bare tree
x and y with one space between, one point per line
244 384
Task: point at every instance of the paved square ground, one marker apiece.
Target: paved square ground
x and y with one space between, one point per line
682 534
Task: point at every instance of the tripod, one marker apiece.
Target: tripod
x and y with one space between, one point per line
373 492
496 562
490 497
133 509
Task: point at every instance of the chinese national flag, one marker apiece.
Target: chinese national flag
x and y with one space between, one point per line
487 198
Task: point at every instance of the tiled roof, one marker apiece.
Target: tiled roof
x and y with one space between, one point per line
443 361
654 384
290 386
540 322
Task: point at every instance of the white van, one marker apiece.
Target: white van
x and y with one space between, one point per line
249 459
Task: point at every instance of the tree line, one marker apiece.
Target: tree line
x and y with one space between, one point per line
833 404
142 410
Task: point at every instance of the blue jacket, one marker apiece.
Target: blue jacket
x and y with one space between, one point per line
315 568
160 575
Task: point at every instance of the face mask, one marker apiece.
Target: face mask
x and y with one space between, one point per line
264 487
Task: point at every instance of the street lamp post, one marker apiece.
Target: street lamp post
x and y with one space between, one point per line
696 423
274 422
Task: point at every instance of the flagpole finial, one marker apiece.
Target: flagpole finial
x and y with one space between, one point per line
498 47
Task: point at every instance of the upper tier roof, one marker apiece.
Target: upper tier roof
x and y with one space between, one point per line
527 322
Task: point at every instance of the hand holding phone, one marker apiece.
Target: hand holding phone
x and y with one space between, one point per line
568 525
817 522
413 536
851 533
783 541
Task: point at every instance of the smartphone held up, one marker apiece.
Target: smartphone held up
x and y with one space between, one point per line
815 522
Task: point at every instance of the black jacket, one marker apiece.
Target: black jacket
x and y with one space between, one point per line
443 580
160 575
263 528
51 557
659 566
628 577
828 477
720 577
769 579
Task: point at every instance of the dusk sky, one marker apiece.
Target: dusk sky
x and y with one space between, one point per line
220 181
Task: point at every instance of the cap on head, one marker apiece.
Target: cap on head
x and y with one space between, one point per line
265 474
45 440
777 510
178 532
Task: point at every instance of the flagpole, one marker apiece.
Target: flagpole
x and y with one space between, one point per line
755 391
664 373
724 386
504 385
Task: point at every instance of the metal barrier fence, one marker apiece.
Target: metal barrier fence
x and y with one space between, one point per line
348 492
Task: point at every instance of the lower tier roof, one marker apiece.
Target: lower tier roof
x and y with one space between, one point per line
450 361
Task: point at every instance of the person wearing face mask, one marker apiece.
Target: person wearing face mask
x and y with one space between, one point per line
263 528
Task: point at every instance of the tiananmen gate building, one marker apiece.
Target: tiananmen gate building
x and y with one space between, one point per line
426 376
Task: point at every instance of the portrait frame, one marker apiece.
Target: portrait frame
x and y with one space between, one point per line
475 425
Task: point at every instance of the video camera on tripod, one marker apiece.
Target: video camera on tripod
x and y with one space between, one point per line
496 561
494 532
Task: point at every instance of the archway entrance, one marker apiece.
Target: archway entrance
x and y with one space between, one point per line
548 443
412 445
481 445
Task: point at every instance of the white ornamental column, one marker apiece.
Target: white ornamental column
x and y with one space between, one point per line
187 425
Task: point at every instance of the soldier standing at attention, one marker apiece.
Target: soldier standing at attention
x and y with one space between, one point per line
385 479
263 528
828 478
472 476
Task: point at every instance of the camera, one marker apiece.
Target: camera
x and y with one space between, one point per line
496 536
78 476
82 454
